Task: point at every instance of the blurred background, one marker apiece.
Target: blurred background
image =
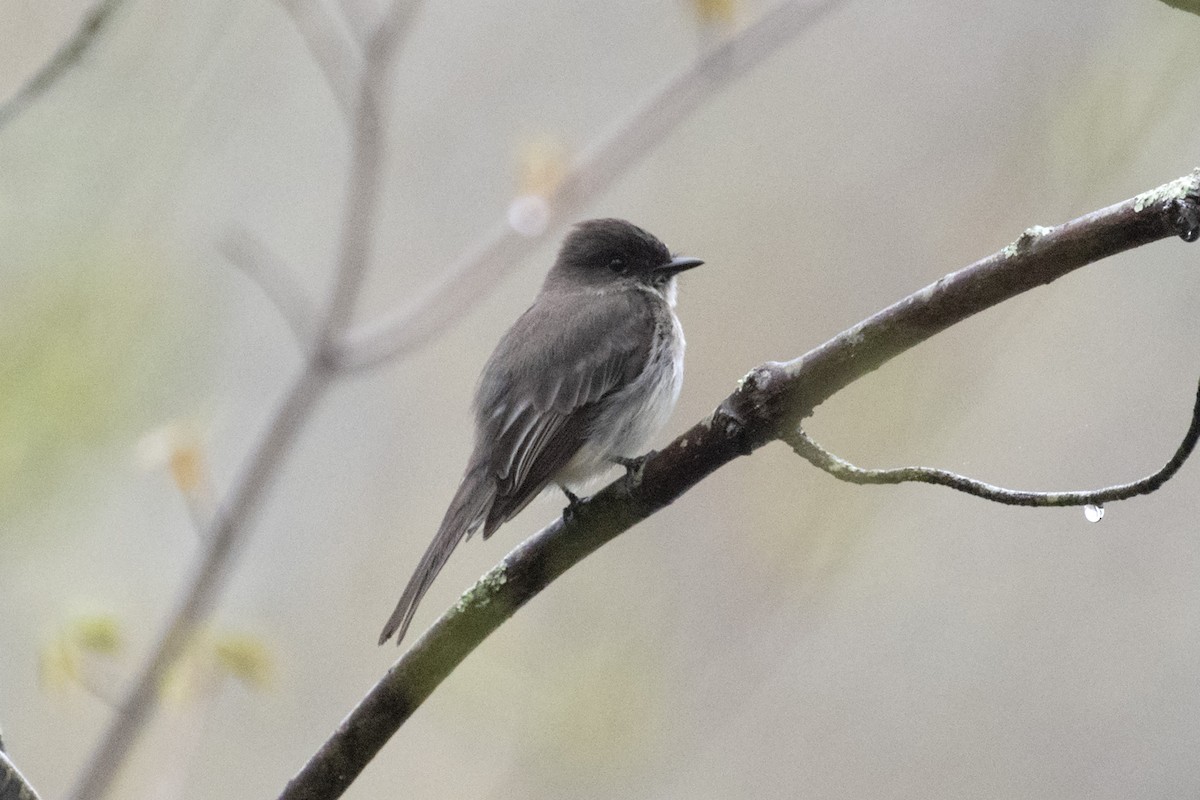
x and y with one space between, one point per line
774 633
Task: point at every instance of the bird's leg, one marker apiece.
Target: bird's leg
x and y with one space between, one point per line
633 476
633 467
573 503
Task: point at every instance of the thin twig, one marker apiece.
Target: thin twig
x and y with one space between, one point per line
366 177
222 543
331 48
233 522
769 403
60 63
268 271
361 18
843 470
474 273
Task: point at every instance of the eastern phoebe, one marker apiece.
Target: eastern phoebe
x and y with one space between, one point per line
580 382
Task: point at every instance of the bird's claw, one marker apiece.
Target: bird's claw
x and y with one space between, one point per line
574 501
634 467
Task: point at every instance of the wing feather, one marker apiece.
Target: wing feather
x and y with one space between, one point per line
554 369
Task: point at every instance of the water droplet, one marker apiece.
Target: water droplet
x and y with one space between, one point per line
1093 513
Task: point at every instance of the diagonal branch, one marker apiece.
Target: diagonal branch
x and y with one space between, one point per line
807 448
267 270
222 541
770 401
64 58
13 785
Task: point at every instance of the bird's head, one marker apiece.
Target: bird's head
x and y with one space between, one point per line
600 253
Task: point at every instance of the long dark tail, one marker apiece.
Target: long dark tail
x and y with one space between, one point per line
467 510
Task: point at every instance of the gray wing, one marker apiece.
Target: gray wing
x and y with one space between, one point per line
536 401
545 383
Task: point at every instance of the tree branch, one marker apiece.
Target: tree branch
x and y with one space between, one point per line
1191 6
805 447
474 273
254 260
361 17
222 542
362 202
770 402
331 48
13 785
232 524
65 57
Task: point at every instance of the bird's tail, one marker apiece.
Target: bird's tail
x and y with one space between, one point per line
467 511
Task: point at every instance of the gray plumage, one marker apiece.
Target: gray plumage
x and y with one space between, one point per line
587 375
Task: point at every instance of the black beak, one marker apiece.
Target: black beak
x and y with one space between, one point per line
679 264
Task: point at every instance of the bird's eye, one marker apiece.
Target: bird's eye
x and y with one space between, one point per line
617 265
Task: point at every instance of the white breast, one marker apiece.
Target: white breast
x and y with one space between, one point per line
633 416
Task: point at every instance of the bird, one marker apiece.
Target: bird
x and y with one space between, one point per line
582 381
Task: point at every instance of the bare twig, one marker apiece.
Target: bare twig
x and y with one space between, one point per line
473 274
233 522
221 543
64 58
335 54
843 470
770 402
271 275
362 203
361 18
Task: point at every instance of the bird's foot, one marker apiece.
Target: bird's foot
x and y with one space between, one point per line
634 467
574 501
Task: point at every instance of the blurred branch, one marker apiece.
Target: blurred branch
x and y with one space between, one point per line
366 171
271 275
222 542
361 17
336 55
64 58
769 403
805 447
231 525
13 785
474 273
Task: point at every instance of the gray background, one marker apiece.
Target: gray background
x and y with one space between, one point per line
774 633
